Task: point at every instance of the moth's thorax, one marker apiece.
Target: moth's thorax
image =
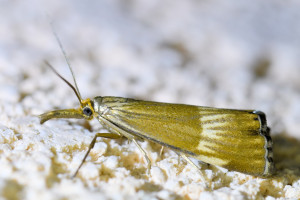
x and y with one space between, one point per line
102 105
97 103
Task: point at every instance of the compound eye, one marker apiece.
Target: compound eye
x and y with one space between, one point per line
87 111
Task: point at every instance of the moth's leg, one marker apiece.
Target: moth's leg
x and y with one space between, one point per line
178 157
145 155
193 164
92 144
126 134
109 135
161 151
189 161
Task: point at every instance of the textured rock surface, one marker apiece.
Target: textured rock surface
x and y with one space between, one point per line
224 54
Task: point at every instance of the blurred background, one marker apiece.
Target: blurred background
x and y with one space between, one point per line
224 54
233 54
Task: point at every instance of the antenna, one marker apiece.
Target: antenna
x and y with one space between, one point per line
73 88
68 62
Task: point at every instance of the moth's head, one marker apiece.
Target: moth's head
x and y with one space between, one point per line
85 111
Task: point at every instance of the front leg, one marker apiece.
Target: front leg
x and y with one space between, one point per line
92 144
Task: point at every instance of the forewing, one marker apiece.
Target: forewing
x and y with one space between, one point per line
229 138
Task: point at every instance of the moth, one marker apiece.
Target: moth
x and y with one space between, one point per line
237 140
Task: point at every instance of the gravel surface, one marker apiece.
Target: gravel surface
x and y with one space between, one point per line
242 55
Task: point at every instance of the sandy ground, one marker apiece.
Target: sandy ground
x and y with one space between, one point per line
243 55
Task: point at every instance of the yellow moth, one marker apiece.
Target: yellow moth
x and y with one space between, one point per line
238 140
